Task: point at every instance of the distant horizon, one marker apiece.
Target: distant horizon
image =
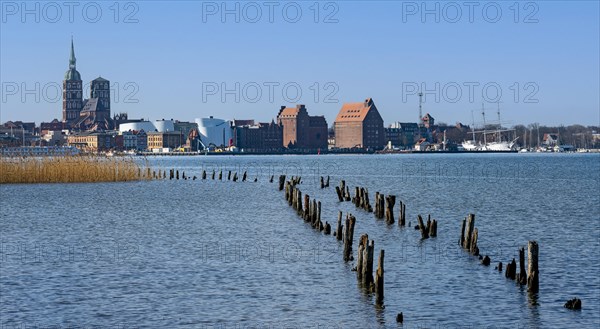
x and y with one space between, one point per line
543 60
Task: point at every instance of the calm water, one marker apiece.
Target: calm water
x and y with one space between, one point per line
209 254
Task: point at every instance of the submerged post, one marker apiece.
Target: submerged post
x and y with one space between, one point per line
533 281
379 279
348 236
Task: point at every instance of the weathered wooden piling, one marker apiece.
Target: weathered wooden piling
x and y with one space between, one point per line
522 276
379 279
339 194
228 174
533 283
348 197
390 201
356 198
213 175
474 249
177 174
348 236
203 174
499 267
362 244
327 228
402 214
422 228
486 260
306 212
511 270
244 176
271 179
469 227
235 177
338 230
322 182
367 263
573 304
433 229
327 182
220 174
281 181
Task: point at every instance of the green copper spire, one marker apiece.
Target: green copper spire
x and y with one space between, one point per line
72 73
72 60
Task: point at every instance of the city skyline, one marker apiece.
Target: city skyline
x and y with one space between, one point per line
547 70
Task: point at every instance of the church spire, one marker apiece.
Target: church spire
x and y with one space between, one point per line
72 60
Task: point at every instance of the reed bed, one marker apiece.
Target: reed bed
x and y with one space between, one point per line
71 169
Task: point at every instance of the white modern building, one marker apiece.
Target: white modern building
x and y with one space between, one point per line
148 126
214 131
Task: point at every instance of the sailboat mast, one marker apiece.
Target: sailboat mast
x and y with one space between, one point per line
498 139
484 131
473 126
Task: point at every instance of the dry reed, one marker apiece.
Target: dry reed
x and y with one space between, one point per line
71 169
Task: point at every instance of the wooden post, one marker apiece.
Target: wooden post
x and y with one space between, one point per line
271 179
338 230
379 279
319 213
327 182
474 249
424 232
533 281
522 277
362 243
281 182
356 199
220 174
177 174
322 182
470 226
306 213
327 228
203 174
244 176
347 193
433 229
376 205
367 260
339 193
348 235
389 208
511 269
213 175
299 201
228 174
461 242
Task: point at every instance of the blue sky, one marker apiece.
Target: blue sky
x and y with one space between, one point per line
175 59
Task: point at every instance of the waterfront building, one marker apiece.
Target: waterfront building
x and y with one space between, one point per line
92 141
215 132
258 137
359 125
161 140
300 130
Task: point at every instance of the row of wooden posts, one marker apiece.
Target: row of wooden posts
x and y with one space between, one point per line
311 213
174 174
530 277
384 208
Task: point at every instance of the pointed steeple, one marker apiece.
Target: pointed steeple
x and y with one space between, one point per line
72 59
